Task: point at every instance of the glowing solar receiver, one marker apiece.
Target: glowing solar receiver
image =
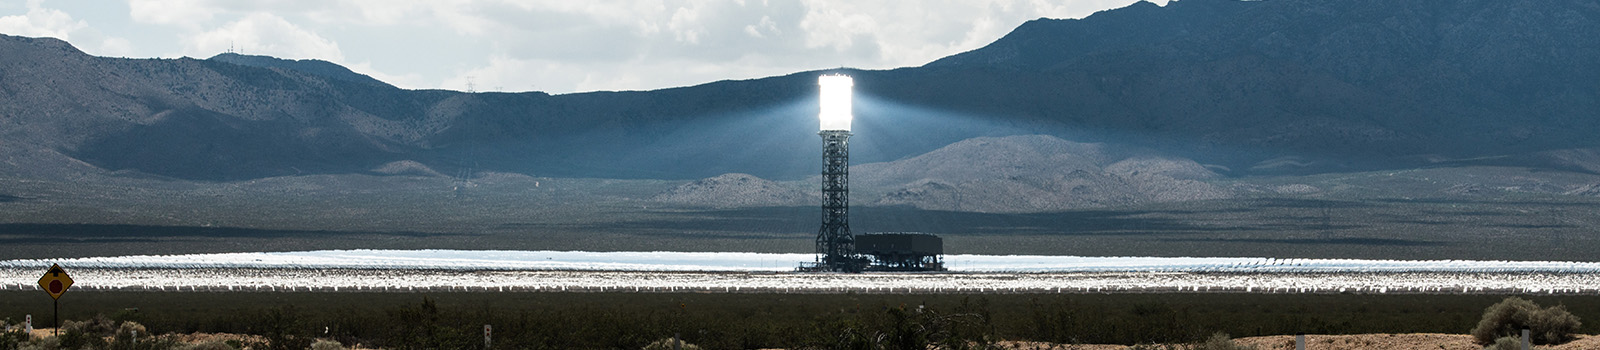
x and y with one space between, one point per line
835 101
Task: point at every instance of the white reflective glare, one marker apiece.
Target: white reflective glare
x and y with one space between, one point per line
506 270
835 101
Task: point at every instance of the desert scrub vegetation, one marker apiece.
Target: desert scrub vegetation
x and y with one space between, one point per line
210 345
98 333
1217 341
753 321
967 326
1552 325
1220 341
327 345
1509 343
12 336
671 344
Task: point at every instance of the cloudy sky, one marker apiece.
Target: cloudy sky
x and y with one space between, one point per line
557 46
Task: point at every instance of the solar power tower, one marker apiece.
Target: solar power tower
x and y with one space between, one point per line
836 246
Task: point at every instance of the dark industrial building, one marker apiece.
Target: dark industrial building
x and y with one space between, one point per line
902 251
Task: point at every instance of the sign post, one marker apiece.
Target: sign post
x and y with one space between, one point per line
56 282
27 325
486 333
1525 340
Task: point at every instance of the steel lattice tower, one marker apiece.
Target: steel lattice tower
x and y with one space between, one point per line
836 246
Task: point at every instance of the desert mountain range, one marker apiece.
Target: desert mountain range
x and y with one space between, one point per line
1246 87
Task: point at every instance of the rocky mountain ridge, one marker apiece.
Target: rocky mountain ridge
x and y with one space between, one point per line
1341 85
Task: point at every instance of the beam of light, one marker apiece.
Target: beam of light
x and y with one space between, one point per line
835 101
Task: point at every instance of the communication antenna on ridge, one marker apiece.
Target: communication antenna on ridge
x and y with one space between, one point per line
470 88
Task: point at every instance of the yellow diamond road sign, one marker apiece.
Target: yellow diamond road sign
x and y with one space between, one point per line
55 281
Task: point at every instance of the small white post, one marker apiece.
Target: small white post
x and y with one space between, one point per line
487 332
27 325
1526 343
1300 341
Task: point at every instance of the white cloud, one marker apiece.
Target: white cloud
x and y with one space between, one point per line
411 79
41 22
690 42
828 27
115 47
685 25
509 74
884 34
766 25
264 34
376 12
189 14
514 75
561 45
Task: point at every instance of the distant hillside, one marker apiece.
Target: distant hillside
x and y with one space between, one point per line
1033 174
1352 83
314 67
1329 85
735 190
1014 174
1045 43
182 118
406 168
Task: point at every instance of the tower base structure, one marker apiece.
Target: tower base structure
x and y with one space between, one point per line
836 246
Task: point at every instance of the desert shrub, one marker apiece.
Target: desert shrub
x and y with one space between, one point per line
1155 322
46 343
1217 341
324 344
77 339
967 326
1156 347
92 334
1220 341
125 337
130 329
12 336
12 340
1509 343
166 342
1553 325
424 326
99 325
1505 343
210 345
89 333
284 329
666 344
